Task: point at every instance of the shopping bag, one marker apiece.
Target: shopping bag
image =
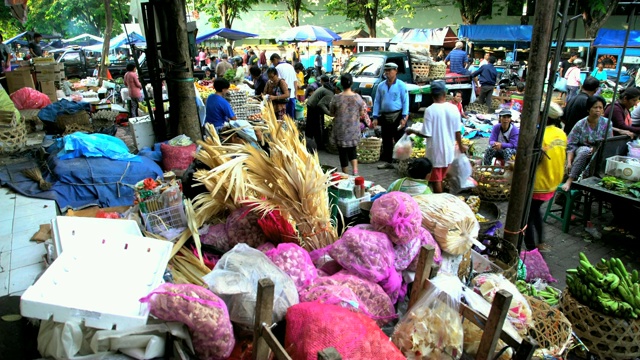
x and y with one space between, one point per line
560 84
402 149
459 174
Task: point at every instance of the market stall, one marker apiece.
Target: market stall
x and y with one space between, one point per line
372 44
505 41
312 34
609 44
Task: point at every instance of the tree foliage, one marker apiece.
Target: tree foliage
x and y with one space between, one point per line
74 17
473 10
292 12
595 14
224 12
370 11
9 26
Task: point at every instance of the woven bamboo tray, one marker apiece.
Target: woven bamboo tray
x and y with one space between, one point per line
606 336
13 139
437 71
494 183
552 330
369 150
495 103
71 128
79 118
477 107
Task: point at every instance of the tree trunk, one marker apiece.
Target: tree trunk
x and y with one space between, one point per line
106 43
371 18
593 23
182 95
522 178
296 13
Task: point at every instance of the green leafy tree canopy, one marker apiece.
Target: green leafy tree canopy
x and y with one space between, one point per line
224 12
370 11
292 12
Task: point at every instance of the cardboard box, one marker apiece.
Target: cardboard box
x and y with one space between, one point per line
19 78
44 60
49 88
48 72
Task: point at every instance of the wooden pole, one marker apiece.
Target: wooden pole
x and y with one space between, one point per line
264 315
493 327
537 67
106 43
182 94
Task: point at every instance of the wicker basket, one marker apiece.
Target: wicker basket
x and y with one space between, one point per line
605 336
437 70
552 330
494 183
7 119
420 69
504 254
71 128
478 108
369 150
495 103
79 118
13 139
402 168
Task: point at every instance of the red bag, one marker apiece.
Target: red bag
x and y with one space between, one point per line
177 157
28 98
313 327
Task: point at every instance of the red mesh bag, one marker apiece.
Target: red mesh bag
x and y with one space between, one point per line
313 327
177 157
398 215
295 261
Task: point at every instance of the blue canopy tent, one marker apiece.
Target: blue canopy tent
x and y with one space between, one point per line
519 36
225 33
439 37
609 44
120 41
17 40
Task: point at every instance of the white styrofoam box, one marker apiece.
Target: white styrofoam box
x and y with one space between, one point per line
67 231
143 134
623 167
100 282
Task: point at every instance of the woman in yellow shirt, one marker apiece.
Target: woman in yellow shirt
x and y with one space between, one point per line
299 68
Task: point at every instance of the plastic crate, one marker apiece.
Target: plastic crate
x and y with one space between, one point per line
623 167
162 220
351 207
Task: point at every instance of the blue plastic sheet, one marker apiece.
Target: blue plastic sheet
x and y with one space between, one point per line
80 144
64 106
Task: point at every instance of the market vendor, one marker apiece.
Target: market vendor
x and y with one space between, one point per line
621 119
418 181
258 80
458 60
503 140
218 109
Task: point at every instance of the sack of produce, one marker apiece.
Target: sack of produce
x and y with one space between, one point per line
432 327
203 312
216 236
520 314
536 266
368 254
406 253
397 215
242 227
313 327
235 279
426 239
450 221
177 157
295 261
351 292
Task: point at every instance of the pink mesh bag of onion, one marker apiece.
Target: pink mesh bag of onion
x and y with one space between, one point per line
398 215
295 261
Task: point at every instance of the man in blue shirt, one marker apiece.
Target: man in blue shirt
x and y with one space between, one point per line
218 109
487 76
391 110
458 60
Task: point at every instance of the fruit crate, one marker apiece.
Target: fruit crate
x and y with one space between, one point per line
351 207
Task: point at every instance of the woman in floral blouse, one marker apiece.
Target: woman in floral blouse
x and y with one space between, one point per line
347 108
584 137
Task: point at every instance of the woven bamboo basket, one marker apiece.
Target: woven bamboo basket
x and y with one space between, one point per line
551 330
437 70
13 139
79 118
477 107
494 183
606 336
7 119
421 69
71 128
369 150
495 103
502 253
402 168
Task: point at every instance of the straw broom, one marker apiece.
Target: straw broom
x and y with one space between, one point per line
36 175
289 180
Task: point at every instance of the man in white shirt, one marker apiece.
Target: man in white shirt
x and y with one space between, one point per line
441 128
288 73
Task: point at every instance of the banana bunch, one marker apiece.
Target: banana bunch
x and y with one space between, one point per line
549 295
417 153
607 287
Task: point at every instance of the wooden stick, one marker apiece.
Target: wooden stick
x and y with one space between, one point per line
273 343
493 327
264 315
425 260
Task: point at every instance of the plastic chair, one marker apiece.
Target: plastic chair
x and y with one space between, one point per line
571 198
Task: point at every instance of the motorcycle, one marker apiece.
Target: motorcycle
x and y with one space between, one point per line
510 77
628 79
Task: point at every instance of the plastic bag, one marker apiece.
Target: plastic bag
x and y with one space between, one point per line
235 279
295 261
398 215
432 328
180 140
426 239
28 98
312 327
536 266
403 148
203 312
242 227
520 314
459 174
368 254
94 145
351 292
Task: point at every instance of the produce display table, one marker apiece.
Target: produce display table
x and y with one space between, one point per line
595 191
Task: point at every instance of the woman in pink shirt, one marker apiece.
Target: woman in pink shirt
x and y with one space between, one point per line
573 79
201 57
135 88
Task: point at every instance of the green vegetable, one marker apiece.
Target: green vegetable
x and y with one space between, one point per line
230 75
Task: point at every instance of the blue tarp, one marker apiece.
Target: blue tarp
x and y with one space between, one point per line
439 37
496 33
64 106
615 38
225 33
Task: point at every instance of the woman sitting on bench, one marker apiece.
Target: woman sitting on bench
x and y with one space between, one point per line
584 137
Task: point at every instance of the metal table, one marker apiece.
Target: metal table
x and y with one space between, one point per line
594 191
